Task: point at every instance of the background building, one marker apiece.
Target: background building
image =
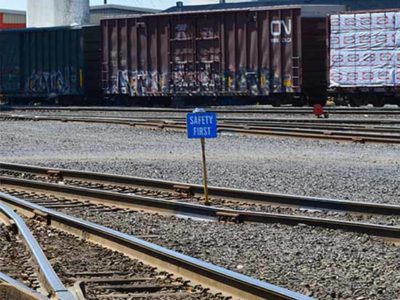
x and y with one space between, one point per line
12 19
100 11
17 18
50 13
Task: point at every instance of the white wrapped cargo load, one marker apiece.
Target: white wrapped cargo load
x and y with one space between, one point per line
365 49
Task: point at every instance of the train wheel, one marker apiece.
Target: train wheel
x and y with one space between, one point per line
378 101
355 101
275 102
378 104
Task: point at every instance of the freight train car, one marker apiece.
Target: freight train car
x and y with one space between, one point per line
364 57
60 64
265 54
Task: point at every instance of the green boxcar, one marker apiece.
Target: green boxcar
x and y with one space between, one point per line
60 62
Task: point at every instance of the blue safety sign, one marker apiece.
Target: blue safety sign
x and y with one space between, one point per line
201 125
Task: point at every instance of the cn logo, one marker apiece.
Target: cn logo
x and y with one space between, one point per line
278 25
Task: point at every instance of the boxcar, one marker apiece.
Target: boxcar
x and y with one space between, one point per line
267 54
364 57
60 64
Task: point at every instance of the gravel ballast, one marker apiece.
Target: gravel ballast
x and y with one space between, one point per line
364 172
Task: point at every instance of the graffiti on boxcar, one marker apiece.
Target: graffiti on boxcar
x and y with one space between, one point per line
288 83
139 83
242 81
182 31
276 83
265 83
47 82
205 80
207 32
124 84
208 79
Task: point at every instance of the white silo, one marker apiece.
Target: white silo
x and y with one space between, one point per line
48 13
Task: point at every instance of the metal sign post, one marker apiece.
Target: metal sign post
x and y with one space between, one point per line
205 179
202 125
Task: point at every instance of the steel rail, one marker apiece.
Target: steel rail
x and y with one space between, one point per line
49 277
338 125
206 274
272 131
15 290
202 211
229 120
239 195
234 110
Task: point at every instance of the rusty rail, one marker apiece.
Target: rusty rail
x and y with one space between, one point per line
48 276
12 289
235 110
226 193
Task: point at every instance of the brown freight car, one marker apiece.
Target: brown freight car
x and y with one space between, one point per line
265 54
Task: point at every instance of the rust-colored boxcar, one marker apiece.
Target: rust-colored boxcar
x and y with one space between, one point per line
267 54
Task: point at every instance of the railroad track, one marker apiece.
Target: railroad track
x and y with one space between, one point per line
94 272
229 205
12 289
327 131
235 110
23 258
331 123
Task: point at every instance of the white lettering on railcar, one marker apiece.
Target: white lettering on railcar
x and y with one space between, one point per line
281 26
277 25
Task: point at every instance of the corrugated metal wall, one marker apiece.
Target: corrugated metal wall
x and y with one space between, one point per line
10 69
